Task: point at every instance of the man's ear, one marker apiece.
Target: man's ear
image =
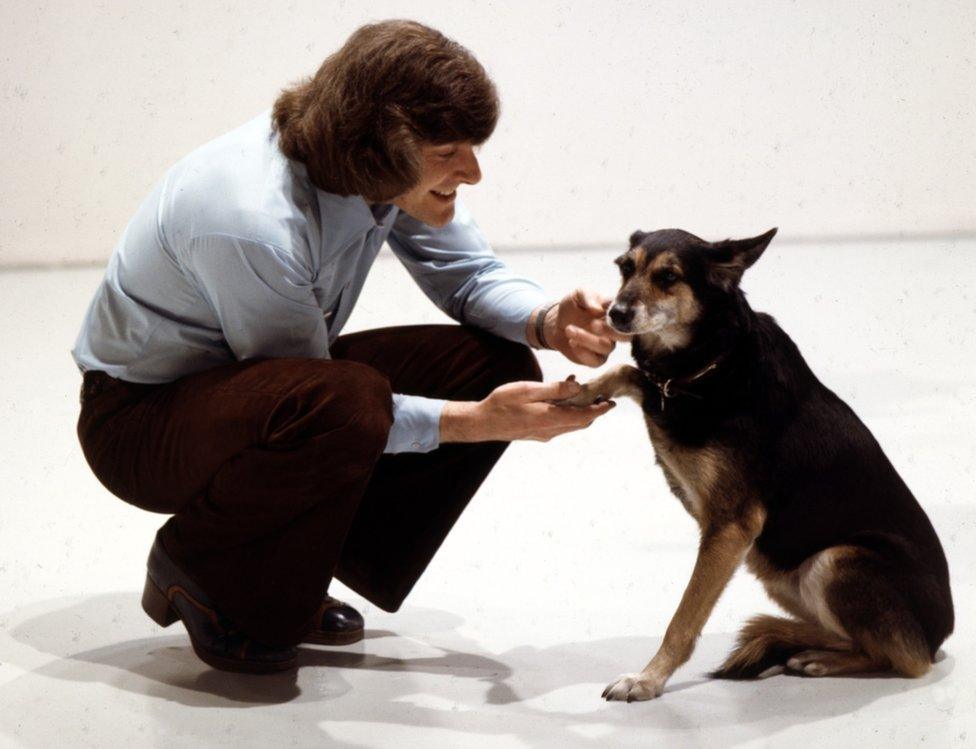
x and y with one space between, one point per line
728 260
636 238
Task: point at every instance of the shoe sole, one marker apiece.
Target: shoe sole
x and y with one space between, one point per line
158 607
334 638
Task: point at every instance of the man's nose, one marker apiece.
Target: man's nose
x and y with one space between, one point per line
621 314
469 171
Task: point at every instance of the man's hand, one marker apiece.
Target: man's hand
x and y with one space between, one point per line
518 411
577 328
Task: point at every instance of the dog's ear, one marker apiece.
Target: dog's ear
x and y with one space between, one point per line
636 238
728 260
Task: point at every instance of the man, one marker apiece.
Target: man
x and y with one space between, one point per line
217 389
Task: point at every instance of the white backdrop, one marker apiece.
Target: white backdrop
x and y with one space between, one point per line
823 118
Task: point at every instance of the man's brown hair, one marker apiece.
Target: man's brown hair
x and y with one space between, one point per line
358 123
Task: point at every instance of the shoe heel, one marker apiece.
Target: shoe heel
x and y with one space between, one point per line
155 604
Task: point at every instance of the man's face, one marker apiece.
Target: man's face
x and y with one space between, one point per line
444 168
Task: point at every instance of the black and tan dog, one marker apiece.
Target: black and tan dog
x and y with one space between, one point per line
778 472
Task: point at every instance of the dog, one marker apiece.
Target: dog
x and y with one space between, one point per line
778 472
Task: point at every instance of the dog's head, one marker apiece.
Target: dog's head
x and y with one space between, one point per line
671 279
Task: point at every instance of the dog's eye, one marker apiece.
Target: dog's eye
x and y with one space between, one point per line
666 277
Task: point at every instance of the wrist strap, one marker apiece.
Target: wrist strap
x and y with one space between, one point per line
540 321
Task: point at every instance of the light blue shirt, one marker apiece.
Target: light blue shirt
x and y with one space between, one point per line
235 254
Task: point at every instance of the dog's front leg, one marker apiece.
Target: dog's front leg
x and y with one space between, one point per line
621 380
720 552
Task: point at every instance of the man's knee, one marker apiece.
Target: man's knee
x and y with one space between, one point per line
368 401
344 397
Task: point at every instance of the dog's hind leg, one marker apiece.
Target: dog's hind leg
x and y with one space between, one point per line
834 663
852 593
849 619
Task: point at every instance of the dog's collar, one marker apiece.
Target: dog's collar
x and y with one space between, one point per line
665 387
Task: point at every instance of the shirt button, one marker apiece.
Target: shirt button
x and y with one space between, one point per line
416 445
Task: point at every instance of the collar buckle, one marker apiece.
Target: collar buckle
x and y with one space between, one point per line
664 388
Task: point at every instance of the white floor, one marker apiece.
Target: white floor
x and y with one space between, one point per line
562 574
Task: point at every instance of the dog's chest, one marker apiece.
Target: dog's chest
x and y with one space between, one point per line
691 472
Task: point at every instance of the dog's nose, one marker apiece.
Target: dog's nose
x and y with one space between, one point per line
621 315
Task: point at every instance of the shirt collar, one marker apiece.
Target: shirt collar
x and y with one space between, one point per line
383 213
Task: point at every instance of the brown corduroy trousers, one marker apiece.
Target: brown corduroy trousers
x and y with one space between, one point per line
274 472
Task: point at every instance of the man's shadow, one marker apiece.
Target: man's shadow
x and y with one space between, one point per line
530 686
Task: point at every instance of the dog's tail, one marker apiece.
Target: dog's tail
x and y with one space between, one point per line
767 642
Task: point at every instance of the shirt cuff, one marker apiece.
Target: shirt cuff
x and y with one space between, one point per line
416 424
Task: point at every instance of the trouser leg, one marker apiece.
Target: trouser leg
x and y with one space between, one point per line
413 499
263 464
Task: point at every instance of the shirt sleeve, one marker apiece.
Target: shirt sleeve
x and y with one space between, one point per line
264 301
456 268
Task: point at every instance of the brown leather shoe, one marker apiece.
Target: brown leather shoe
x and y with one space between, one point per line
170 595
337 623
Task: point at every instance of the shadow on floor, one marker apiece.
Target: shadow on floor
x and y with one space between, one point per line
432 676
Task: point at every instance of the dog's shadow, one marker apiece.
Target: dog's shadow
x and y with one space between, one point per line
534 688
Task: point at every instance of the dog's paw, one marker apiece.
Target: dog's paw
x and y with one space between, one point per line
813 662
634 688
586 396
